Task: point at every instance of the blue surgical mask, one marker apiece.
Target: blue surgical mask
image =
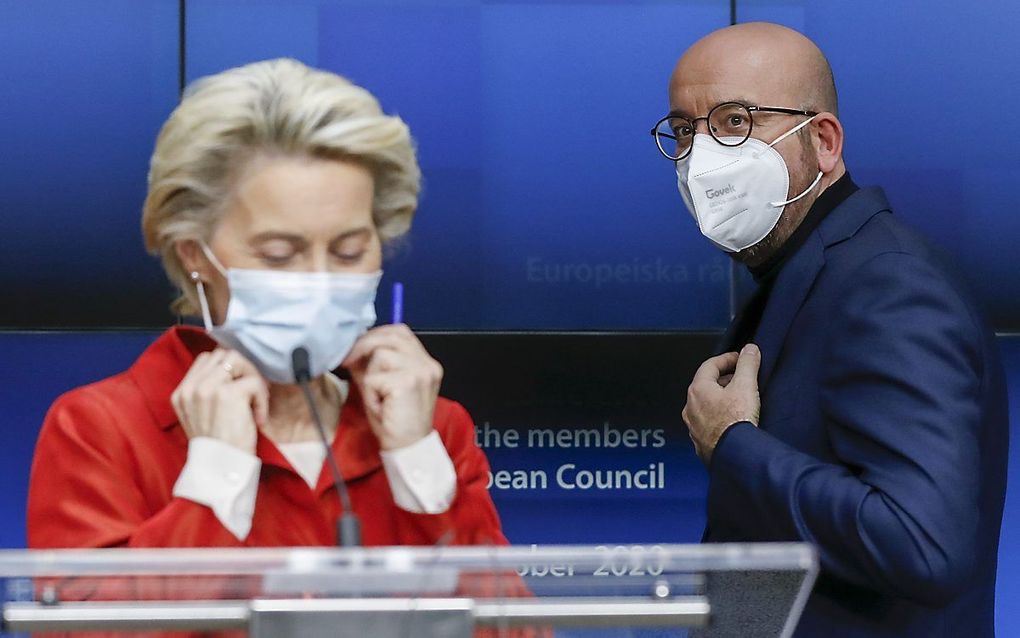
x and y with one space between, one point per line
272 312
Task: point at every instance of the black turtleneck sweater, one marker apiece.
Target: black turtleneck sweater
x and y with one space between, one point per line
766 274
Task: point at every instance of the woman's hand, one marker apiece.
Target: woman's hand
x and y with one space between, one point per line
224 397
399 382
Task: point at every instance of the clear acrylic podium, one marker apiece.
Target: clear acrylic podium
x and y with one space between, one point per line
667 590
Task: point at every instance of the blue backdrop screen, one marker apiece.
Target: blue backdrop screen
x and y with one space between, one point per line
87 85
545 204
919 83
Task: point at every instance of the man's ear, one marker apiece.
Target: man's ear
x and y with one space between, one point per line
192 258
828 140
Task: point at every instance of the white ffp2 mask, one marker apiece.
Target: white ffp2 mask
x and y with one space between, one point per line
272 312
736 193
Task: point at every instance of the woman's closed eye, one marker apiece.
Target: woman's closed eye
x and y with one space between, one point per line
277 252
351 248
349 257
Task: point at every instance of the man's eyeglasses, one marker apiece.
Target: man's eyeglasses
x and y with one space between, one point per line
730 123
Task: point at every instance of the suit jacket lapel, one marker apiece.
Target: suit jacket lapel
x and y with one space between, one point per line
727 342
787 296
730 339
797 276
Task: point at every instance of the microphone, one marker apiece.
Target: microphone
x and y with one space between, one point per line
348 530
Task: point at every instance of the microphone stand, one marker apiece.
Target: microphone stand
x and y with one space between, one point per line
348 533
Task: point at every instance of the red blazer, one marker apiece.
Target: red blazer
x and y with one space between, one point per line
109 454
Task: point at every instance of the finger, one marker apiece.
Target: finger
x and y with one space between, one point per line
205 364
395 337
256 390
182 389
175 403
243 369
192 400
372 389
415 372
387 360
725 379
249 391
216 357
713 368
261 406
397 330
749 362
239 365
208 372
187 395
206 384
225 365
197 367
356 358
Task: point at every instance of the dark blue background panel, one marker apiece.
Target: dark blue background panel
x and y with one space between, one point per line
926 92
37 368
584 428
1007 616
546 205
87 85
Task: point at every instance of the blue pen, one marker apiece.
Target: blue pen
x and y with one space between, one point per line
398 302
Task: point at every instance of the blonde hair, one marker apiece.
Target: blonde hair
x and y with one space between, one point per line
276 106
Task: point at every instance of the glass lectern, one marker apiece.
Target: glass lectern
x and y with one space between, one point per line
634 590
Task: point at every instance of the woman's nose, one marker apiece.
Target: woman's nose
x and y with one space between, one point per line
319 261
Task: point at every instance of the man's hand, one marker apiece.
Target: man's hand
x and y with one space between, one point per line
724 391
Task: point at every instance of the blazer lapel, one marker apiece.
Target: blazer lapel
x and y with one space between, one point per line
728 341
787 296
797 276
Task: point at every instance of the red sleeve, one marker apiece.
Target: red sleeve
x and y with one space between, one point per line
471 518
85 492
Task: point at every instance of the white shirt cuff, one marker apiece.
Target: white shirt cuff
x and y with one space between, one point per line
421 476
223 478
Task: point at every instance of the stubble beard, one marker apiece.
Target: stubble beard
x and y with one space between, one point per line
792 215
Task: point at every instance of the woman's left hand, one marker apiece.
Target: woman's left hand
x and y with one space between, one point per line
399 382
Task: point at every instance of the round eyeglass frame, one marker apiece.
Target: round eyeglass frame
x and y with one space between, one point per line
694 125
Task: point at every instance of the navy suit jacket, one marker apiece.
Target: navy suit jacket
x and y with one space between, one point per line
882 437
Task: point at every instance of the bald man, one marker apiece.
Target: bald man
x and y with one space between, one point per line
859 404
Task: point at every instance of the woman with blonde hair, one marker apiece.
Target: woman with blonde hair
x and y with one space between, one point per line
272 191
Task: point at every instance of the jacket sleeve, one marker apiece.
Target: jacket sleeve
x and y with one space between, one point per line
900 391
471 518
84 490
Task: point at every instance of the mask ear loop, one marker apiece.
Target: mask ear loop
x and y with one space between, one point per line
785 135
818 177
206 317
807 190
792 131
212 258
